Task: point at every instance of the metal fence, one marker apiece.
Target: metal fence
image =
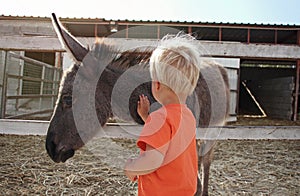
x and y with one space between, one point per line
29 87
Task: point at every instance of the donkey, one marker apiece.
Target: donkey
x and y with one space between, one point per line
87 95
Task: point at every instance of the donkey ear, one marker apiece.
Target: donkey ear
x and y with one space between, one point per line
70 42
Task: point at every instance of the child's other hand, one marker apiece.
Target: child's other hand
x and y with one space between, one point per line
131 177
128 173
143 107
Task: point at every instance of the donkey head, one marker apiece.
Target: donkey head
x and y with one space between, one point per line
65 135
88 93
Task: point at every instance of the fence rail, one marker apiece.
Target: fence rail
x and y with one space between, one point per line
31 79
130 131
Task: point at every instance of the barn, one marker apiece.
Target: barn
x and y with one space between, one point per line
262 61
263 64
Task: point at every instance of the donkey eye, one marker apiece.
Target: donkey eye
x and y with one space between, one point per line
67 101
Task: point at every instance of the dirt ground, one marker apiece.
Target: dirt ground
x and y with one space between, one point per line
239 168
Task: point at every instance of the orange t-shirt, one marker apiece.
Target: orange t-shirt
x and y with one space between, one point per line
172 131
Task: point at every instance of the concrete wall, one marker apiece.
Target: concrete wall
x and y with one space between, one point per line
26 28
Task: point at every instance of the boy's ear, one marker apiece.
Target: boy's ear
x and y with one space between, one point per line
157 85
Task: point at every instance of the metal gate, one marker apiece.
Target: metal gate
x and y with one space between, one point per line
25 95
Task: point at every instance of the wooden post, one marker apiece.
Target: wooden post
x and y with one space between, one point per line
56 75
58 59
220 34
297 82
190 30
126 36
248 36
298 37
297 90
96 30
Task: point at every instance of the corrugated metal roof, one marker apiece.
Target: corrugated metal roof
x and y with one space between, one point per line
188 23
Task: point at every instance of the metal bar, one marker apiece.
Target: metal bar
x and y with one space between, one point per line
238 89
42 88
30 96
220 34
20 81
4 86
297 90
20 116
31 79
53 89
215 133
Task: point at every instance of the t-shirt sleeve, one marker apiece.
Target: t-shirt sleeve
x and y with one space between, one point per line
156 133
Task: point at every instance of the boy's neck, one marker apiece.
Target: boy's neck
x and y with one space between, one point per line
172 98
165 95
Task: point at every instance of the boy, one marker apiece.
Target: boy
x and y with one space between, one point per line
167 164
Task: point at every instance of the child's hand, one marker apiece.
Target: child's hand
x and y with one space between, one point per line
128 173
131 177
143 107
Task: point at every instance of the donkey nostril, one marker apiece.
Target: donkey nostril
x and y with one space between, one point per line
67 154
50 147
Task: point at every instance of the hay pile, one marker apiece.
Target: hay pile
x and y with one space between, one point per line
26 169
239 168
256 168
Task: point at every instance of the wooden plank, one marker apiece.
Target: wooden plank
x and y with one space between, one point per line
130 131
277 102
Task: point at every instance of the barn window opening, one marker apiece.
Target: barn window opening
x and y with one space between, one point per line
267 89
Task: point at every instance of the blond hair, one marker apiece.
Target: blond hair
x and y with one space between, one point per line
176 63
